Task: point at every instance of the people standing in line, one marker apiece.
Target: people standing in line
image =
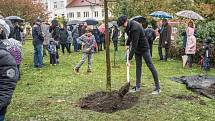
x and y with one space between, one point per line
139 48
115 37
63 36
45 29
165 39
38 44
88 44
8 71
150 35
190 49
52 48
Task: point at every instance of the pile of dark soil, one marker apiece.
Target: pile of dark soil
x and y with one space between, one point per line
107 103
204 85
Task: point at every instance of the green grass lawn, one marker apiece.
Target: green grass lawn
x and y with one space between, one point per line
51 93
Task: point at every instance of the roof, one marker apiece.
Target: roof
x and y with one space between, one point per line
81 3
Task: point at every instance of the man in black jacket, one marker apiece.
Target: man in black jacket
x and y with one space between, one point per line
8 76
139 48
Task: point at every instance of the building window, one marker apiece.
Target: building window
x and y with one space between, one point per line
71 15
46 6
78 14
86 14
62 4
55 4
96 14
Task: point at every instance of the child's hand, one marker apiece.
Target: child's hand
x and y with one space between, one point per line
83 43
88 49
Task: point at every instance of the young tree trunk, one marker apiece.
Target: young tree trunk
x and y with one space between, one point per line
108 65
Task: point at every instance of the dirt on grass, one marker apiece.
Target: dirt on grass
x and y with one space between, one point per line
107 103
190 98
185 97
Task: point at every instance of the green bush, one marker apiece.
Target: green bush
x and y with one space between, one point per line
206 29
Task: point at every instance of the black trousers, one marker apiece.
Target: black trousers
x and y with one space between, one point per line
53 58
63 46
150 45
148 60
165 57
190 60
115 43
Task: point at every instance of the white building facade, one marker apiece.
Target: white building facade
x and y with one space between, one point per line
85 12
55 7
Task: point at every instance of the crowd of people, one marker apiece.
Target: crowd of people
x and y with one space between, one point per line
48 39
54 36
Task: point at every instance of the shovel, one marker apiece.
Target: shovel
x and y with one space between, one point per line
125 88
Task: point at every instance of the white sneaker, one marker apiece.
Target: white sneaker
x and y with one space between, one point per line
134 89
156 92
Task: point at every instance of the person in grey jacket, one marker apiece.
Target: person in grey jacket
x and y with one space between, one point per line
38 44
88 44
8 74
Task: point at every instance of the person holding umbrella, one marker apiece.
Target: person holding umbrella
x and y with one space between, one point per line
165 39
139 48
190 49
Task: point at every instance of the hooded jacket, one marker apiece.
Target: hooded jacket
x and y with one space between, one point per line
8 77
12 45
136 37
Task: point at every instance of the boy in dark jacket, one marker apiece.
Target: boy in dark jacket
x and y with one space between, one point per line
139 48
52 47
88 44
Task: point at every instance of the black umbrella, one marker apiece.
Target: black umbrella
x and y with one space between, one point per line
139 19
15 19
91 22
73 22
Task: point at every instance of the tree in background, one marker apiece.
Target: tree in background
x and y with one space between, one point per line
22 8
145 7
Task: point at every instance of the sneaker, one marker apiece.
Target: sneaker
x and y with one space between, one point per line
76 70
135 89
156 91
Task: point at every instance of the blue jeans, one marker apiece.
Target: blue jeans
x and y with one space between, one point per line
75 43
1 117
38 55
